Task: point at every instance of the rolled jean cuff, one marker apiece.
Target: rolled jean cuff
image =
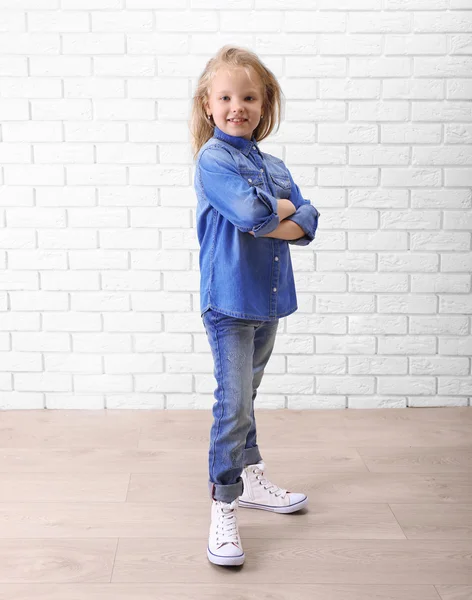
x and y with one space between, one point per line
251 456
228 493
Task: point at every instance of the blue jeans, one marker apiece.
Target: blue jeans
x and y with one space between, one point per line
241 349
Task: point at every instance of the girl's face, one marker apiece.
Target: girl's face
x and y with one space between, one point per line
235 95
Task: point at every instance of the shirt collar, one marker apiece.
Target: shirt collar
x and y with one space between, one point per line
238 142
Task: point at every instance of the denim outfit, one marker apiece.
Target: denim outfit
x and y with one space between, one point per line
246 286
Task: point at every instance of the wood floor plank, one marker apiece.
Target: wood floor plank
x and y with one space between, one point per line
325 459
42 560
231 591
140 520
454 592
126 460
398 459
444 414
78 418
72 436
300 561
410 434
342 487
435 521
452 414
61 487
308 435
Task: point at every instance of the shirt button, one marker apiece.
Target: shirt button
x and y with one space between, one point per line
276 258
274 289
262 170
253 147
250 180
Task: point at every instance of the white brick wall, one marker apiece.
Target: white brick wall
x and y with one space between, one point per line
99 279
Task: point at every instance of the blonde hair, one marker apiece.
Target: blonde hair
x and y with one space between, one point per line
201 127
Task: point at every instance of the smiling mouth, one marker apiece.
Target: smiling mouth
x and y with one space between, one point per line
237 120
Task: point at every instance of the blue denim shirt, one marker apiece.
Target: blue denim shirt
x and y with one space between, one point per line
237 187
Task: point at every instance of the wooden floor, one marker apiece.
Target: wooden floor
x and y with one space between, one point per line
114 505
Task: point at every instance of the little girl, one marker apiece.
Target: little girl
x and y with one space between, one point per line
249 211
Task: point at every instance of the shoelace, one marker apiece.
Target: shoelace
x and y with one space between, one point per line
273 489
228 532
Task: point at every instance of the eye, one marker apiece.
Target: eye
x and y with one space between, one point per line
252 98
223 97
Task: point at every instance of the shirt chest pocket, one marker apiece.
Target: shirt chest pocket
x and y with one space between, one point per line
281 185
253 178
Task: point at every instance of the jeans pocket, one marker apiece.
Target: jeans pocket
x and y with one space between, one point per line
211 318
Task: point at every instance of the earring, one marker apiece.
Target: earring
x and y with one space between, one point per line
262 116
209 116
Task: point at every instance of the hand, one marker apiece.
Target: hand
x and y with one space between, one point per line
251 232
287 230
285 208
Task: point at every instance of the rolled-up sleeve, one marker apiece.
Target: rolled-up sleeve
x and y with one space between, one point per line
307 218
247 207
306 215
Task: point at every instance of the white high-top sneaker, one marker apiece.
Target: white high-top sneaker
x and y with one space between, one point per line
261 493
224 543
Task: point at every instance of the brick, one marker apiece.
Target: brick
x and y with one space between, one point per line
124 110
71 280
416 44
157 44
41 342
120 196
13 67
92 4
14 153
60 66
32 132
379 22
303 21
13 20
34 174
97 217
13 110
63 153
96 175
123 20
39 301
67 238
158 87
72 363
450 21
29 43
103 383
95 132
101 342
93 87
133 363
42 382
98 260
162 260
99 301
380 67
31 87
193 21
58 21
37 260
124 66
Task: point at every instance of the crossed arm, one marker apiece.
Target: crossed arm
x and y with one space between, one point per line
248 207
286 230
